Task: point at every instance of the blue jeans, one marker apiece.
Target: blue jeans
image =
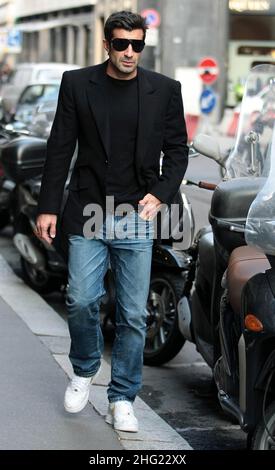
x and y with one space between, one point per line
130 260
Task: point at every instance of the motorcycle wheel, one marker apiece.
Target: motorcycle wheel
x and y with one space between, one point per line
261 440
39 281
163 337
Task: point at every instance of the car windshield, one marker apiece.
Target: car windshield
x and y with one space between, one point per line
36 94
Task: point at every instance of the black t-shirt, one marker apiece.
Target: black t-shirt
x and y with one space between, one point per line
121 180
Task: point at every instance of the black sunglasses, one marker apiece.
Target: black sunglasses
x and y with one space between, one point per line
121 44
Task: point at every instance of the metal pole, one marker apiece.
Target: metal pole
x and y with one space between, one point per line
222 53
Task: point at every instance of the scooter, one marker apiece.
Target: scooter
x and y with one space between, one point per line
234 327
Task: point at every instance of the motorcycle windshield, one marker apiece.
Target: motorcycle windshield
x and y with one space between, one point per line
260 223
249 156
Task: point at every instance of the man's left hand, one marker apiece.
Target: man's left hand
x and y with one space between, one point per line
151 206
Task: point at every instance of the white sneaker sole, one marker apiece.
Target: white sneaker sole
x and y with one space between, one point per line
81 406
120 427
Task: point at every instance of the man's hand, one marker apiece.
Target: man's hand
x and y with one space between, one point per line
46 227
151 206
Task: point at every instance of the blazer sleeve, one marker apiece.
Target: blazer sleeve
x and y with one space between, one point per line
60 149
175 149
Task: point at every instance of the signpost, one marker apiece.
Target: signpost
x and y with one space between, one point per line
208 70
10 41
208 101
153 21
14 38
152 37
152 17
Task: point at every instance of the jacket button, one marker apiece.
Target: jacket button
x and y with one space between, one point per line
106 161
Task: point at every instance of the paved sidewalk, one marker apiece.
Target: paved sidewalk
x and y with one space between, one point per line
34 345
31 397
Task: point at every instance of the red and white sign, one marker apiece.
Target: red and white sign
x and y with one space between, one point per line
152 17
208 70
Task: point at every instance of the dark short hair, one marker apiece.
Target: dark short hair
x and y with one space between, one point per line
124 20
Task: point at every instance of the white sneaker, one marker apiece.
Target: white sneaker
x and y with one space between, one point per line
77 393
121 416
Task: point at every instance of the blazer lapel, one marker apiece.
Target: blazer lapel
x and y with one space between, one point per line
146 97
98 103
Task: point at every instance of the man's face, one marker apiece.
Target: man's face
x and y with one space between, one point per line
126 61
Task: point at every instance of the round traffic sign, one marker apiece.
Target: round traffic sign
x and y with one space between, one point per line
208 101
208 70
152 17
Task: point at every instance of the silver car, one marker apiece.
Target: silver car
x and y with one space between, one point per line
29 74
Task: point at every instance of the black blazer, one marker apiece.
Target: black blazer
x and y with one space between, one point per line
82 116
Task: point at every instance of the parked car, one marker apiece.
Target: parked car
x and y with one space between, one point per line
31 98
29 74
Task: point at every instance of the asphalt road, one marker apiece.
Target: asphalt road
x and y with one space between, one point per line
180 391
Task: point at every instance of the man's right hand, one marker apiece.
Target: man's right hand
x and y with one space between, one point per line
46 227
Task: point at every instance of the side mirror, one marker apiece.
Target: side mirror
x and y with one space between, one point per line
208 146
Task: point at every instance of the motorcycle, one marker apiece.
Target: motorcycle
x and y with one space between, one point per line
6 187
45 269
233 328
39 127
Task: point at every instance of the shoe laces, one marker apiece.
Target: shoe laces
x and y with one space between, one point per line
79 384
125 407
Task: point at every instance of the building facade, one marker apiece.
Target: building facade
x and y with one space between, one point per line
236 33
65 31
56 32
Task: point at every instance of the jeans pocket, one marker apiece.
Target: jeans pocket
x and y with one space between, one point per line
73 236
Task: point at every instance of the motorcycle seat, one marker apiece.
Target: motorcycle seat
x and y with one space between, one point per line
244 263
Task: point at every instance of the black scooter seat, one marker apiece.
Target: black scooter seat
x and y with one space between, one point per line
244 263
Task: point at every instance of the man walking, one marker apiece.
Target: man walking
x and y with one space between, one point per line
122 117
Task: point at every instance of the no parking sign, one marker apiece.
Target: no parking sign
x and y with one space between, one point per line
152 17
